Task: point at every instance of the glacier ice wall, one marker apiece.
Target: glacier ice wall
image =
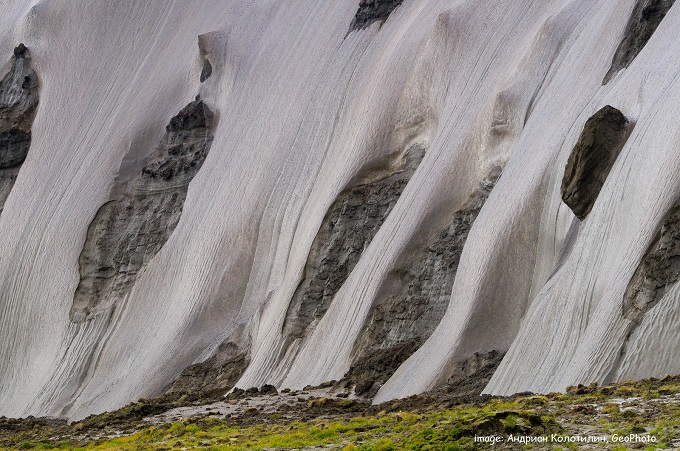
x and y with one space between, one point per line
307 106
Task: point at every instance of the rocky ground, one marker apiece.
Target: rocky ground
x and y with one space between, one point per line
641 415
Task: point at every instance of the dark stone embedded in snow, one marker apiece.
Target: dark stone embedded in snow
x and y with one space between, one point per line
406 316
658 270
20 51
207 70
371 11
642 24
18 105
603 137
128 232
194 116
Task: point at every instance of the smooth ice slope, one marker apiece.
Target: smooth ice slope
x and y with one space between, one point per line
304 109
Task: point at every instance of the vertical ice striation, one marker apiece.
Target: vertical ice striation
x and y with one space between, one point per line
280 261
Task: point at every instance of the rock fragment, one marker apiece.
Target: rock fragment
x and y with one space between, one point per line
603 137
371 11
642 24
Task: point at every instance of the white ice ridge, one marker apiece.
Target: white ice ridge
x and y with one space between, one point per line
301 107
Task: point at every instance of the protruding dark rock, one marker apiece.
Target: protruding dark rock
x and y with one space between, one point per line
182 157
20 51
207 70
371 11
372 369
476 371
268 390
15 144
348 228
128 232
18 105
642 24
658 270
416 296
237 393
603 137
193 116
215 376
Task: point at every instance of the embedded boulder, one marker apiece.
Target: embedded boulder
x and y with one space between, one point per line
600 143
206 72
371 11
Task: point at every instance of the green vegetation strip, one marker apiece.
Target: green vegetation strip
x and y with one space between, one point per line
436 430
648 408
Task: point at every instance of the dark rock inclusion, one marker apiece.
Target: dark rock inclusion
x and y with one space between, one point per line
126 233
401 321
371 11
642 24
348 228
603 137
658 270
18 105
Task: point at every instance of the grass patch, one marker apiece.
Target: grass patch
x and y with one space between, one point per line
650 407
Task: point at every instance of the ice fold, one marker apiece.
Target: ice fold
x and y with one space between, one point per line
304 110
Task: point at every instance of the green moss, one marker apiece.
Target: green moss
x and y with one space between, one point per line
647 406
